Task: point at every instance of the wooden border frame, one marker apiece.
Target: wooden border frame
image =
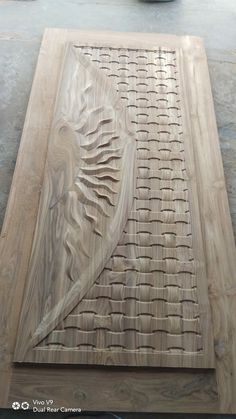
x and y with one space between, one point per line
127 390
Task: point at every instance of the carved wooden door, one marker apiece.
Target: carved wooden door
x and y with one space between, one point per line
118 233
117 273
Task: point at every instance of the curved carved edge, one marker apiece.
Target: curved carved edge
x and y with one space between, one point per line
27 340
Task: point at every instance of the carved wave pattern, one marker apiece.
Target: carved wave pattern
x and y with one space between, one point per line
84 165
96 173
100 140
86 194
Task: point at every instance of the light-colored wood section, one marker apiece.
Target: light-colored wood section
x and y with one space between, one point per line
86 197
217 244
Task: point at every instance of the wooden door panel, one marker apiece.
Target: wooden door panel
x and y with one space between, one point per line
148 301
117 272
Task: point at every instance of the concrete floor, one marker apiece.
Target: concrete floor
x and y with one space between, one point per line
21 28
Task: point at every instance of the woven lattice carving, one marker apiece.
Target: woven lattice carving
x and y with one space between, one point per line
146 298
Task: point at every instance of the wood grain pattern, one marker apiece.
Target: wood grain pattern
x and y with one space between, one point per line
219 245
120 389
198 391
162 317
86 196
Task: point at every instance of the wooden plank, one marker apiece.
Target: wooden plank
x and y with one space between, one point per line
215 220
120 389
146 83
221 265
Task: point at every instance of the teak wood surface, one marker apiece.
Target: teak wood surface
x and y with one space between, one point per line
117 272
33 197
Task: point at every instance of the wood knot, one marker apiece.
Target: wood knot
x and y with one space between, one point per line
220 348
